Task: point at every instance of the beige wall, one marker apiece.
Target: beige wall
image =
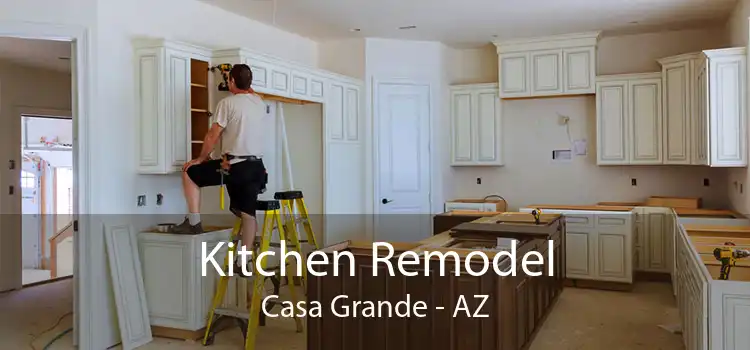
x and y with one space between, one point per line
304 129
531 133
737 30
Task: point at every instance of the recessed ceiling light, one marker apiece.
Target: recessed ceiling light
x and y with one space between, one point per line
407 27
354 30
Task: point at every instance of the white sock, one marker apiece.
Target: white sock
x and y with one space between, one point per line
194 218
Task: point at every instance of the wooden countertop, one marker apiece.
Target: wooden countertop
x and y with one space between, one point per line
580 207
624 206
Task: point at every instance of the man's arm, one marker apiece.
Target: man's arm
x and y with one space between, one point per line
210 140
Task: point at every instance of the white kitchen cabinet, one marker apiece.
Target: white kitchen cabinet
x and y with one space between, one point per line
178 293
705 108
629 119
476 125
654 239
164 103
547 66
599 244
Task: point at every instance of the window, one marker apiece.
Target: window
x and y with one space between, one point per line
28 180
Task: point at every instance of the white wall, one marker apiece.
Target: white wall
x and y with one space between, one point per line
29 87
531 133
737 30
345 57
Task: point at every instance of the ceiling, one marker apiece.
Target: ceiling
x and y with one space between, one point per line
476 21
36 53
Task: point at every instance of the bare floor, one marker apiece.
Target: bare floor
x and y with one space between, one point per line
582 320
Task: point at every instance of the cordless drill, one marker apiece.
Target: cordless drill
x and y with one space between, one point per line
728 257
537 213
224 68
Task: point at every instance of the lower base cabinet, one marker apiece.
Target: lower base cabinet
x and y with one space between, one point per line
515 306
599 244
713 312
177 292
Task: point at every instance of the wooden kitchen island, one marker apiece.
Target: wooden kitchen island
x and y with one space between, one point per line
515 306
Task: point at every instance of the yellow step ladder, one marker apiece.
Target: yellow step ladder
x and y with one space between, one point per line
291 200
286 226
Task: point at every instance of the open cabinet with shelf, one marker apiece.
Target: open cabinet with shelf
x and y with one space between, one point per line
199 105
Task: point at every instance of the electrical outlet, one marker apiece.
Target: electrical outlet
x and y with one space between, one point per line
479 181
706 182
563 120
633 182
142 200
159 198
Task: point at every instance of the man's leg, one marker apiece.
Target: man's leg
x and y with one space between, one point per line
197 176
193 198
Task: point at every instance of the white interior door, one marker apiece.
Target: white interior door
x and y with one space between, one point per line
31 209
402 114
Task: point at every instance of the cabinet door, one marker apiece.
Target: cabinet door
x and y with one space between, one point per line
727 83
335 111
613 247
149 73
677 112
700 115
514 73
578 253
546 72
657 246
645 121
461 127
579 70
487 127
300 85
178 109
352 112
612 122
611 261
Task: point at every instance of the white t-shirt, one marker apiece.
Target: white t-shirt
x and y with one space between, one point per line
242 117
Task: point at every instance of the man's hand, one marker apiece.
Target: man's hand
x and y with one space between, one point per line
225 164
191 163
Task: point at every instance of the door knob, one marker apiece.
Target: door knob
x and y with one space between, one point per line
386 201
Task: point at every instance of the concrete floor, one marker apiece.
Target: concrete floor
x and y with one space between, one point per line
582 320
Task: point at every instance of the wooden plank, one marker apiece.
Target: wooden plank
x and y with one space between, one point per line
708 212
622 204
580 207
674 202
295 101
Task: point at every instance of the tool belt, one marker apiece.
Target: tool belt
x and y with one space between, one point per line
251 158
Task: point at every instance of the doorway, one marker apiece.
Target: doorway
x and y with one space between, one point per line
46 197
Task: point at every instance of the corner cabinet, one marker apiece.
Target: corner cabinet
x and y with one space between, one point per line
548 66
171 81
705 107
629 119
476 125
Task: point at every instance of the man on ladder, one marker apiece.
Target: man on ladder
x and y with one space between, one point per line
238 123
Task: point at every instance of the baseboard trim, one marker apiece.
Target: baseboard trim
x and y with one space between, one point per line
648 276
51 280
603 285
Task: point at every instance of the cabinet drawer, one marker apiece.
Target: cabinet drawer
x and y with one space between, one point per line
578 219
611 220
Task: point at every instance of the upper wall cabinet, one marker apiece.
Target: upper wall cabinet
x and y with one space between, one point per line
629 119
548 66
274 77
476 125
705 108
171 103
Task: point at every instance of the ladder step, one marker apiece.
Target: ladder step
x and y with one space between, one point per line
232 313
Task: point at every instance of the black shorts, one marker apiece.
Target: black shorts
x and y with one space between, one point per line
245 181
